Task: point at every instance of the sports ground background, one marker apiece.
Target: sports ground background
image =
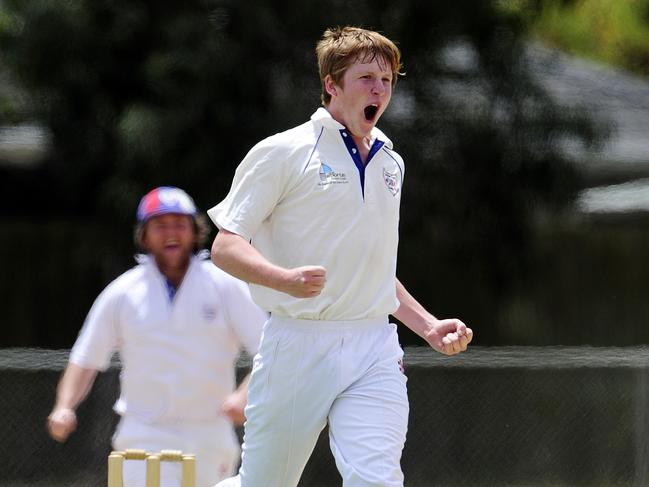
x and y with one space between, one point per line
498 416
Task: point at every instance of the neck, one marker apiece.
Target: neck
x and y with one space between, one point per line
174 274
362 142
363 145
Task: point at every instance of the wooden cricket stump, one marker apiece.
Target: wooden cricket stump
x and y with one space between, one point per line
116 466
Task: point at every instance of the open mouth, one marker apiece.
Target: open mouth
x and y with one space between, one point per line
370 112
171 245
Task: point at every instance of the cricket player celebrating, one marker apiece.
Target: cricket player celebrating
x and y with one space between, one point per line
311 221
178 323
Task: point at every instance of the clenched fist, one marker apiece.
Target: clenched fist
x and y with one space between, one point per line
449 336
61 423
305 282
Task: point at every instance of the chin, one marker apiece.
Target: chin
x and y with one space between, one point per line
174 259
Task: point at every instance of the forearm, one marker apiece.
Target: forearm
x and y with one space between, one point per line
411 313
72 389
243 386
448 336
235 404
74 386
237 257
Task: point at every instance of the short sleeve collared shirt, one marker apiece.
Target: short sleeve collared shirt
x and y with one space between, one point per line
178 354
304 197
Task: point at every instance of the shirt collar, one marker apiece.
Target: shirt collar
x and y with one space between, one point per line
149 262
324 118
146 259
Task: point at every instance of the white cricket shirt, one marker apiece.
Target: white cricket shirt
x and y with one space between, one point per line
178 355
303 197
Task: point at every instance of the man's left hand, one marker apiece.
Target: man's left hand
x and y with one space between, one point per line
234 408
449 336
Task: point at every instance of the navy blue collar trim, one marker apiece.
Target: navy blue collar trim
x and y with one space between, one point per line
356 156
171 289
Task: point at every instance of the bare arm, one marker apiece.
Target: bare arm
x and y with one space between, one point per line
234 405
73 388
449 336
237 257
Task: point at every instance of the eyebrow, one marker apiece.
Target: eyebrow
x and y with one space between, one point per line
380 75
381 72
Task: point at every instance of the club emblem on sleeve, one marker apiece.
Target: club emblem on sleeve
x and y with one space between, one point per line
391 181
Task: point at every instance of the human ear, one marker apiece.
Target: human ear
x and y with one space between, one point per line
330 85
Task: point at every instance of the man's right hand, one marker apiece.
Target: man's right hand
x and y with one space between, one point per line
61 423
306 281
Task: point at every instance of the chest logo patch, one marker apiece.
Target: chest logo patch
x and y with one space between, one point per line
209 313
392 181
329 176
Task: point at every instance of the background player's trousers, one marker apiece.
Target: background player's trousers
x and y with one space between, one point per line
214 444
308 373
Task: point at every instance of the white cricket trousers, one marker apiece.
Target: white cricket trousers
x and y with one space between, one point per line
214 443
308 373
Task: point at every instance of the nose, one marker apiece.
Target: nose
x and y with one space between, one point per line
379 88
170 230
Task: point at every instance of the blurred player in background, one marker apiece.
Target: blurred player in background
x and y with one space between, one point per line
311 221
178 323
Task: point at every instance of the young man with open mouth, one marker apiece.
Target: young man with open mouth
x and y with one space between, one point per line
311 222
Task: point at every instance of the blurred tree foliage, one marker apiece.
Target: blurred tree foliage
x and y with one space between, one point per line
139 93
613 32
